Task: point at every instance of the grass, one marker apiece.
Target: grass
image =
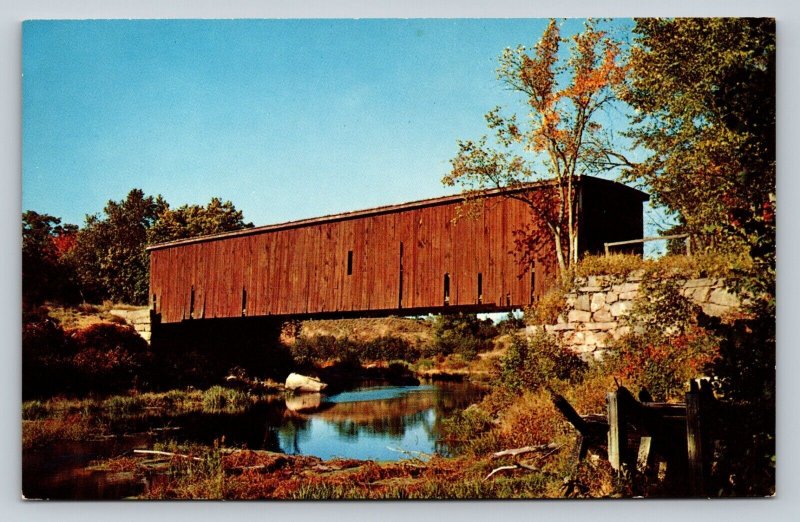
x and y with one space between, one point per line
694 266
83 315
77 419
415 331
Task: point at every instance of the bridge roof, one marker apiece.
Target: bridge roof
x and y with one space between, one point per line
443 200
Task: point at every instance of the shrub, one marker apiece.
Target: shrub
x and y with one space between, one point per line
464 427
663 365
666 347
510 324
548 307
532 363
123 405
219 398
462 334
34 410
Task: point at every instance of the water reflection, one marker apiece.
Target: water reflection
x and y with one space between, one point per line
378 423
385 423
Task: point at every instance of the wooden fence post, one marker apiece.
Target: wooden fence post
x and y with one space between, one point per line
695 440
617 436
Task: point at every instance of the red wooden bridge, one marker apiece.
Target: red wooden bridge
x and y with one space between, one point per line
403 259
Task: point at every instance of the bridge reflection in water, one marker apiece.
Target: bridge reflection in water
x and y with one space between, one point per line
383 423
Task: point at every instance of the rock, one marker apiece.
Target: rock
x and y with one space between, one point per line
302 383
603 316
596 338
620 332
699 294
582 303
628 296
715 310
600 326
590 289
695 283
579 316
626 287
562 327
636 275
722 297
621 308
611 297
598 301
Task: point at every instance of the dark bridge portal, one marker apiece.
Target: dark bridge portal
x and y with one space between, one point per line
403 259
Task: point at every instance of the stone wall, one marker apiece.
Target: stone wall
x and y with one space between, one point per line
139 319
597 311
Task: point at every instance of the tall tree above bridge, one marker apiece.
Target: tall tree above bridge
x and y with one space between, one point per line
558 140
704 92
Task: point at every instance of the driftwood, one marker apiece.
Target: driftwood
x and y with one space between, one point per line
165 454
501 468
526 449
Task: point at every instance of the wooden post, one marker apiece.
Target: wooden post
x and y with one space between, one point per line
694 441
617 436
644 459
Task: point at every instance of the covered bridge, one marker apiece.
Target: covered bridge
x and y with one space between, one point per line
402 259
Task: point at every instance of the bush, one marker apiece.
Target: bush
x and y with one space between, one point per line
219 398
124 405
533 363
666 347
309 350
462 334
461 429
548 307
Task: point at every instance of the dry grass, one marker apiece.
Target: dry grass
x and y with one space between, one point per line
698 265
416 331
83 316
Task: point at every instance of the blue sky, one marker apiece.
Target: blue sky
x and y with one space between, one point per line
286 118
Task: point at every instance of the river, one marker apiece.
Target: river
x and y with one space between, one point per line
381 423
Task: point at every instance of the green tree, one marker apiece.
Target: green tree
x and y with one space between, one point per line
109 254
560 138
704 94
195 220
45 273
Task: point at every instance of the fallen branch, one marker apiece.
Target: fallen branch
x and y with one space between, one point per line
501 468
165 454
526 449
415 455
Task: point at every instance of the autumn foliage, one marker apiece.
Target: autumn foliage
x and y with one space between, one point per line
560 138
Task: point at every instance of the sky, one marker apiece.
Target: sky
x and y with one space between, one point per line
288 119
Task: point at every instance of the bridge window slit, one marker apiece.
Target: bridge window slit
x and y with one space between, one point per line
244 301
446 289
154 303
480 287
349 262
533 285
191 304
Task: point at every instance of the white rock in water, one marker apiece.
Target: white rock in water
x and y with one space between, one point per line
302 383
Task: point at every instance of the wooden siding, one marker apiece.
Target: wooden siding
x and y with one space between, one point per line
300 269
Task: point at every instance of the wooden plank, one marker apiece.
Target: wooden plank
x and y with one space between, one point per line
617 436
694 442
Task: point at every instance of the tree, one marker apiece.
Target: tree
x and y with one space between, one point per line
45 274
704 92
561 135
195 220
109 254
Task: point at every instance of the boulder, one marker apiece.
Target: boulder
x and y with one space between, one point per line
302 383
